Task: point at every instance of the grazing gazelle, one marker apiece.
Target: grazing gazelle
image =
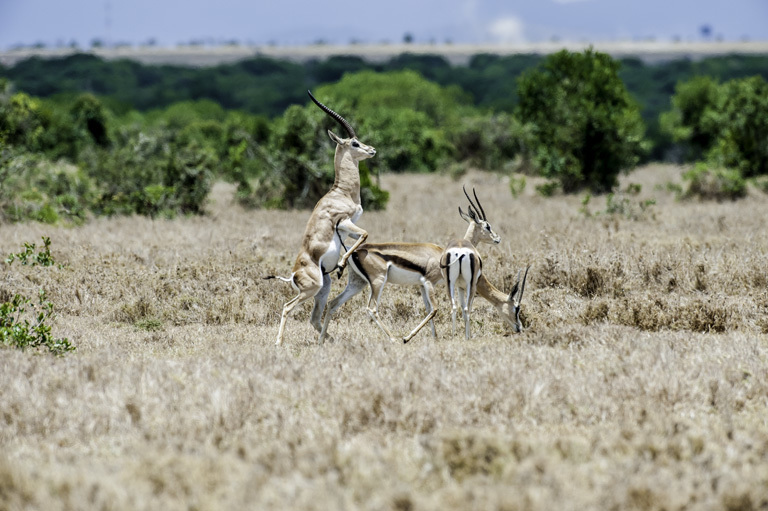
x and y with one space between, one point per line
462 265
417 264
331 222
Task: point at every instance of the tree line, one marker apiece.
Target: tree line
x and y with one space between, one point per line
81 135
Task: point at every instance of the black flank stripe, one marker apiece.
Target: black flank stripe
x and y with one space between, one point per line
472 263
401 262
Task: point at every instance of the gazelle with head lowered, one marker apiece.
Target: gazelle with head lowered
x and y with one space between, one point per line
418 264
461 263
331 222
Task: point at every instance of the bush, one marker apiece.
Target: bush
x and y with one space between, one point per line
491 142
714 183
24 323
35 188
727 124
585 126
742 120
688 122
151 173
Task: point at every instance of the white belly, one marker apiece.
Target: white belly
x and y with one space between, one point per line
330 258
403 277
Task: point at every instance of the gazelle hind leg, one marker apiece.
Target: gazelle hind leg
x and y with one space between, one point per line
355 284
309 284
320 300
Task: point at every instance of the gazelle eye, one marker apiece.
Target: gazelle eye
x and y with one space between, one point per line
355 144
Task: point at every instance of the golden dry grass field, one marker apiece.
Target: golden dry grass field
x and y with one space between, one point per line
640 382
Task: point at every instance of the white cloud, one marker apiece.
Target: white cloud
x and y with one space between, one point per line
507 30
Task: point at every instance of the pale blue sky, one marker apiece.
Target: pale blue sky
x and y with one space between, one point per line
296 22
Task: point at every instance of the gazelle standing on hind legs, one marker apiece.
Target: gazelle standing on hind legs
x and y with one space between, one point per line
332 220
461 263
418 264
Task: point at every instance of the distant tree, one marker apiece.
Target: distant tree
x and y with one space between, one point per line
685 123
585 126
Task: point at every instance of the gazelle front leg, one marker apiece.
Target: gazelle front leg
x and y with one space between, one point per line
377 286
425 293
348 227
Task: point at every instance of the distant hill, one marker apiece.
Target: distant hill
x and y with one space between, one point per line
456 54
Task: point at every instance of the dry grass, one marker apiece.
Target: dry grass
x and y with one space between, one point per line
641 381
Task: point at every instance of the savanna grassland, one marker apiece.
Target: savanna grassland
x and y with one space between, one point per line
640 382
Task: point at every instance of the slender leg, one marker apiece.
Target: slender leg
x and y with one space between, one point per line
426 294
355 284
377 286
320 299
430 313
309 281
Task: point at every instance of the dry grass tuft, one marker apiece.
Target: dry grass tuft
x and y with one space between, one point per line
641 381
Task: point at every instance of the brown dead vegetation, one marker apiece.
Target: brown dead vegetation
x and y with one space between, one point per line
641 381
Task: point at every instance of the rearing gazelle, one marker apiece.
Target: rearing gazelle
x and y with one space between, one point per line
418 264
331 222
461 263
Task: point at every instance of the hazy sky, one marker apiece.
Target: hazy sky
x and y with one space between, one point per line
294 22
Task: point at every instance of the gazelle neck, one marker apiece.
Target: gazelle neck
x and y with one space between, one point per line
487 290
473 233
347 178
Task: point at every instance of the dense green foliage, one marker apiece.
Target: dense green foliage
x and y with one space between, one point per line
80 135
586 127
267 87
725 126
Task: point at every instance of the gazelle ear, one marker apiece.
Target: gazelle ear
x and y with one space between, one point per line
467 218
334 137
511 297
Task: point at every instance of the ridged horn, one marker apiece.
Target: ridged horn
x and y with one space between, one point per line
522 288
334 115
479 210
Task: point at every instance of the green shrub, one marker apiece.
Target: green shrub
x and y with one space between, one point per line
717 183
35 188
727 124
151 173
24 324
689 122
90 116
491 142
585 126
742 120
28 257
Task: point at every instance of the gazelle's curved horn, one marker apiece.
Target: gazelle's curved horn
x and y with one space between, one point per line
334 115
472 204
482 212
511 297
522 287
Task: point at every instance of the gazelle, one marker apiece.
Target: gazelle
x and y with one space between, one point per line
461 263
418 264
331 222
